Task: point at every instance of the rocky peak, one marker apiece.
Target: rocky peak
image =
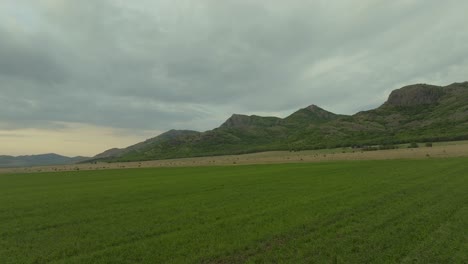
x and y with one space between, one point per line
414 95
310 114
239 121
313 108
320 112
236 120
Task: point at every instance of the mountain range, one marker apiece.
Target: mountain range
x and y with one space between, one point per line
38 160
415 113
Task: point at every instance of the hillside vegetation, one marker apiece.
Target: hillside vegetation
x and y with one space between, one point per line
415 113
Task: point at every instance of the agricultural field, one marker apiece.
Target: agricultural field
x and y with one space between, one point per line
374 211
438 150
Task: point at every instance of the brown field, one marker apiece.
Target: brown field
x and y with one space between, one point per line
439 150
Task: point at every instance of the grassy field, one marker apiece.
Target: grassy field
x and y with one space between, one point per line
393 211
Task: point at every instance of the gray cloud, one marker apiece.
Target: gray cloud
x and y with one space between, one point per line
157 65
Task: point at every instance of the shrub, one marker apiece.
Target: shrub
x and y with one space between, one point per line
387 146
413 145
429 144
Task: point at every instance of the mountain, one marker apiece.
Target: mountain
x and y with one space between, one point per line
310 115
168 140
38 160
419 112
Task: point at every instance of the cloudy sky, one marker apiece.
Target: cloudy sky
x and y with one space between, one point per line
79 77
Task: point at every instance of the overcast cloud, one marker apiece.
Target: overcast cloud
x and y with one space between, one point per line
142 67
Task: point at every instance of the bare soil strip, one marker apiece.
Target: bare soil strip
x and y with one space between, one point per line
437 151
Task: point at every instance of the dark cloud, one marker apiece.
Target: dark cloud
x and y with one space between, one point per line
26 58
164 64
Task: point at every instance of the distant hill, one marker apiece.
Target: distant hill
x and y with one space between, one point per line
417 112
163 141
38 160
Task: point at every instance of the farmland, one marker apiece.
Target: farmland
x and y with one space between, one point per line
392 211
439 150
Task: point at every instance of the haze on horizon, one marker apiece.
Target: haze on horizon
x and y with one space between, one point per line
79 77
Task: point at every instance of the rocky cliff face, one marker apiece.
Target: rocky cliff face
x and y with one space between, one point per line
414 95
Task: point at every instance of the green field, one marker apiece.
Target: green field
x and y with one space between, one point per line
400 211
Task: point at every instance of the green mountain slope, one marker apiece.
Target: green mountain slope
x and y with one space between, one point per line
413 113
